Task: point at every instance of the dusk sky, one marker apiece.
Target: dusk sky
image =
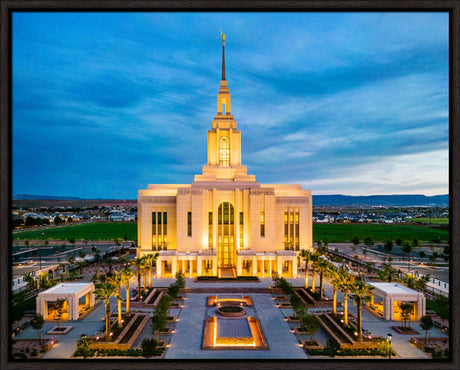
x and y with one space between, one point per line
342 103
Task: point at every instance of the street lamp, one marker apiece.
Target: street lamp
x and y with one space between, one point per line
389 345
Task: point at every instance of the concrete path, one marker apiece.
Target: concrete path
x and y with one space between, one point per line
187 340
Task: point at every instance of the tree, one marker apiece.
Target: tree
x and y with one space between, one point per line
422 254
308 323
445 253
345 283
434 256
127 274
314 259
388 246
362 294
30 281
398 242
117 280
109 262
306 256
150 260
355 240
406 312
57 220
296 304
426 322
60 310
139 264
407 249
334 278
37 323
322 266
368 241
106 291
81 254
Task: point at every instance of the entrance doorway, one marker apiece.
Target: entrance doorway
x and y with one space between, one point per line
226 249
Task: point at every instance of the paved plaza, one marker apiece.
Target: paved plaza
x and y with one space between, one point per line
186 341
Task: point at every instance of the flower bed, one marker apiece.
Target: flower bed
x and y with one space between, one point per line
132 329
405 330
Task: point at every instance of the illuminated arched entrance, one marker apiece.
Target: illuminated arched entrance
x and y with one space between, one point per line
226 254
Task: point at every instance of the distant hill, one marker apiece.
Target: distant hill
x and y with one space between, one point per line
411 200
30 196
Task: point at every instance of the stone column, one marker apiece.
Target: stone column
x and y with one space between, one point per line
294 266
254 265
270 268
388 312
239 264
199 265
159 266
279 266
87 299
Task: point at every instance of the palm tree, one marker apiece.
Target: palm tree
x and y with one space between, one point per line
117 280
127 274
150 259
106 291
345 282
323 264
314 259
306 256
138 264
333 275
362 294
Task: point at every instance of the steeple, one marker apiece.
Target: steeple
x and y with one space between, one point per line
223 97
223 56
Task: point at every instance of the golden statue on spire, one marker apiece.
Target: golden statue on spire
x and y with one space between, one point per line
223 38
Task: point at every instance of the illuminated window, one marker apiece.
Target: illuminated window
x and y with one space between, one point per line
210 246
262 223
224 151
189 224
159 230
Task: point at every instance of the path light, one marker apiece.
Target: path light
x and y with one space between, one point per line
389 347
97 338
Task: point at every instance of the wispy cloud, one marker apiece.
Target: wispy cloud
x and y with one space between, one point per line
353 103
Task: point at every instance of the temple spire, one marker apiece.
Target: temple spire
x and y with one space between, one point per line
223 56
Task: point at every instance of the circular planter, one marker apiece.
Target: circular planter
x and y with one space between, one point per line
230 311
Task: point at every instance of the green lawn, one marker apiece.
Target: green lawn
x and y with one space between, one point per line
335 233
93 231
434 221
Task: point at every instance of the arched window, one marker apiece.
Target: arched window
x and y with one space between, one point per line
224 151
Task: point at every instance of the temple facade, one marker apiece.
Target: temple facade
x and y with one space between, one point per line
224 223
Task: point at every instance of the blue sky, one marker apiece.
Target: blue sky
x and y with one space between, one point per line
342 103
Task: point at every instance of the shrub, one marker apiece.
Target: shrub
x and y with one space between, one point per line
34 353
149 346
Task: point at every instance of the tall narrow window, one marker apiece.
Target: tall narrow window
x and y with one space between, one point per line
241 230
210 241
224 151
262 223
297 246
189 224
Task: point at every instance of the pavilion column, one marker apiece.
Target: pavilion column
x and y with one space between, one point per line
173 266
159 266
239 263
254 265
199 264
263 268
87 299
279 266
294 267
191 267
270 269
